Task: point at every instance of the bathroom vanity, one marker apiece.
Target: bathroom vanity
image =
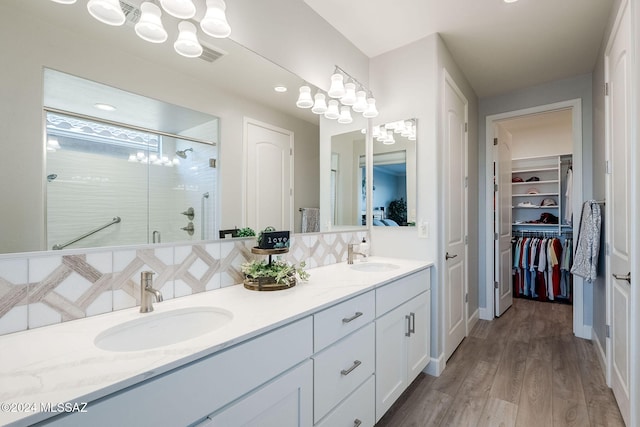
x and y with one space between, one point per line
336 350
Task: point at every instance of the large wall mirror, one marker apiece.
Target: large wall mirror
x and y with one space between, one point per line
394 174
54 187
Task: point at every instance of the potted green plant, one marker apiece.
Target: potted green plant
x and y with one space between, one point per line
277 274
246 232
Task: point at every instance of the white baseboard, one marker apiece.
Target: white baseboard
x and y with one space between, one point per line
473 319
435 366
486 314
584 331
603 356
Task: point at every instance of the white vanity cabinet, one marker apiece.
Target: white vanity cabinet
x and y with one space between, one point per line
402 336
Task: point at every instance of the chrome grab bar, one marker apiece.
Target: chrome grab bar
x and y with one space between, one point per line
115 220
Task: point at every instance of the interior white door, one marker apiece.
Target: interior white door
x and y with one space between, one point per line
454 216
619 210
269 173
503 257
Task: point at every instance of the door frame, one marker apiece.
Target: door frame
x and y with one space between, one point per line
468 319
246 121
579 329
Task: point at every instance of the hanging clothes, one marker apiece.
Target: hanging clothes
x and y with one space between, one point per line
585 260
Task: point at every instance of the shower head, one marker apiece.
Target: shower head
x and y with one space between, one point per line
183 153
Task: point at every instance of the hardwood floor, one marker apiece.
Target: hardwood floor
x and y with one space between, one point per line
525 368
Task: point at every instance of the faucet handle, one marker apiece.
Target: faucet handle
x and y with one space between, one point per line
146 278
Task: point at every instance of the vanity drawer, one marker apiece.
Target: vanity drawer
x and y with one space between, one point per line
340 320
341 368
392 295
356 410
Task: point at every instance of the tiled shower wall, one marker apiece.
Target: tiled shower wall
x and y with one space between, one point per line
44 289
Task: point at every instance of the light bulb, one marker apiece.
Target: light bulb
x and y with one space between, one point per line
304 100
182 9
107 11
371 110
149 27
215 22
337 86
332 112
349 97
345 115
187 43
320 104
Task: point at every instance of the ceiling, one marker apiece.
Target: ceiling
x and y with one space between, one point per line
500 47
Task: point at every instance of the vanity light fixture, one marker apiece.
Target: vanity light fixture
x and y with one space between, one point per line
107 11
187 43
215 22
345 115
332 112
304 100
181 9
345 95
389 140
149 27
319 104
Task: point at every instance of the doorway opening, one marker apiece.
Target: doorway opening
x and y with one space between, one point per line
529 153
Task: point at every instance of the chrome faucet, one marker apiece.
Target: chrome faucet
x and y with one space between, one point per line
146 292
351 254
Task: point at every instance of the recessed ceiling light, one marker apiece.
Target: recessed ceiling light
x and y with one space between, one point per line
104 107
510 1
280 89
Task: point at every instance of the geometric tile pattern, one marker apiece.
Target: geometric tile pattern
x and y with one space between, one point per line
42 289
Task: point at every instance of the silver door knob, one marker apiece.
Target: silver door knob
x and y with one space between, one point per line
626 277
448 257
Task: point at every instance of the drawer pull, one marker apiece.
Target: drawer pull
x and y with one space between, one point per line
412 323
357 423
354 317
408 333
356 363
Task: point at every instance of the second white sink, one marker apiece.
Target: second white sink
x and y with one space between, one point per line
374 267
157 330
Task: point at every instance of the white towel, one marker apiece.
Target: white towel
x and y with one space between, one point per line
310 220
585 260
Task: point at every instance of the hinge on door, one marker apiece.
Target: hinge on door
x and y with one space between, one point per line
466 297
607 249
495 236
607 169
291 151
466 181
495 188
606 89
466 240
466 127
607 332
495 285
495 141
291 191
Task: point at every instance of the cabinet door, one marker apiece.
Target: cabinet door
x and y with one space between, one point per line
391 358
419 343
285 402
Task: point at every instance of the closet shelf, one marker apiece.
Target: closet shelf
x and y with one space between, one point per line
534 195
517 171
536 182
529 224
534 207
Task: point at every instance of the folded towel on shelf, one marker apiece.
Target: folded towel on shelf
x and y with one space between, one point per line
310 220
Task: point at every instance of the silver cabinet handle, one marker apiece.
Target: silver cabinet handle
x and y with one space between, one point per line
408 333
626 277
354 317
447 257
412 323
357 423
356 363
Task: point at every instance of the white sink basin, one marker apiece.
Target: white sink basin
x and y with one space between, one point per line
157 330
374 267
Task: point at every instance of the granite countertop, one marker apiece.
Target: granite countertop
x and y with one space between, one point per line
61 364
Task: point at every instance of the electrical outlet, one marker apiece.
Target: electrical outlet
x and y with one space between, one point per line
423 230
